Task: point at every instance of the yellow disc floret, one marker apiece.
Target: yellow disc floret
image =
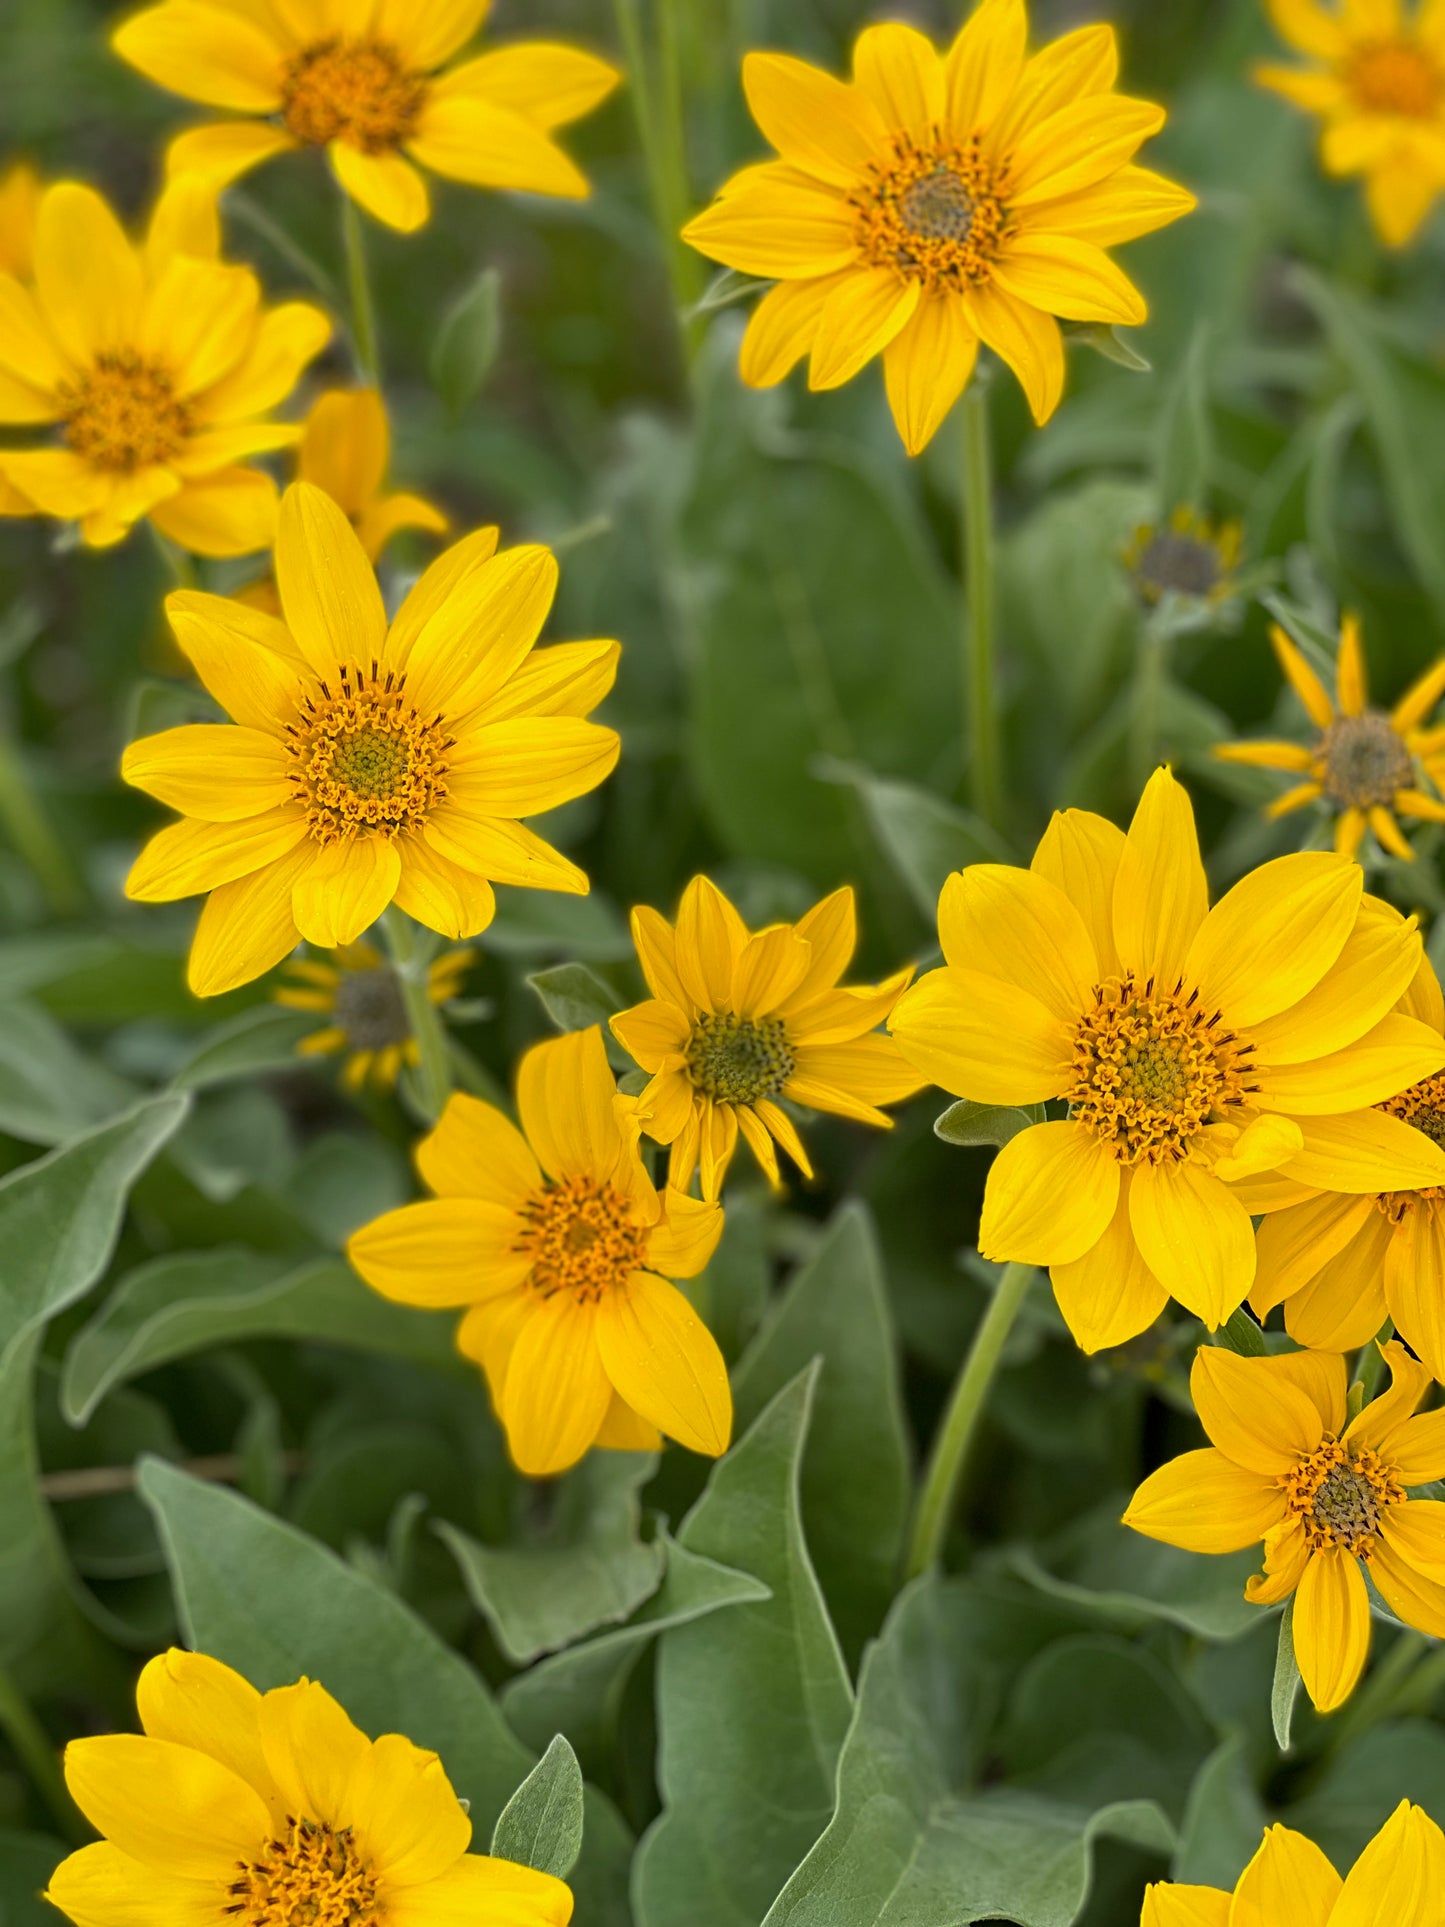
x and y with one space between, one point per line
356 90
311 1878
1396 77
1338 1493
583 1236
935 213
737 1060
364 758
123 414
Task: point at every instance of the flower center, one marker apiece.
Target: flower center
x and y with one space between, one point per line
354 90
362 758
1179 564
936 214
738 1060
582 1237
312 1878
1422 1105
1396 77
1339 1496
124 414
1364 760
370 1009
1150 1070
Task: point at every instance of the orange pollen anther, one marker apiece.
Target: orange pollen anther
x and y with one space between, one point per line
1151 1069
582 1237
936 214
313 1877
124 414
1339 1493
363 758
1396 77
355 90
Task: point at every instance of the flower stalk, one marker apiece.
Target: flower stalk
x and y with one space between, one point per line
364 341
976 535
412 949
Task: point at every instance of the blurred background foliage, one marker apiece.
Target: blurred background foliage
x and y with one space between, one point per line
785 584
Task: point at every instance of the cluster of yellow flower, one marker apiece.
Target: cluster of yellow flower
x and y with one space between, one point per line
1250 1099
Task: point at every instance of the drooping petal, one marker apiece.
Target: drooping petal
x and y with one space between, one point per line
1050 1196
1414 1282
1109 1295
557 1392
681 1244
1331 1627
1195 1236
387 186
1256 1414
441 1252
222 153
1204 1502
489 145
665 1362
927 366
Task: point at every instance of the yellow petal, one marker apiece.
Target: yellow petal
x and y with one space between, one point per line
1270 939
665 1362
1365 1151
167 1805
569 679
830 930
1258 1416
192 856
1050 1196
28 348
425 36
388 187
1129 203
488 145
201 317
557 1392
865 311
344 889
232 512
193 1700
681 1244
1195 1237
474 1151
982 1038
1204 1502
1420 698
1414 1283
927 367
478 1889
1296 1243
101 1887
87 274
409 1824
1109 1295
244 657
1288 1881
1064 275
818 123
1373 971
488 1333
328 588
222 153
1075 66
217 773
782 329
623 1431
208 53
446 896
477 638
1029 341
1175 1906
346 446
1080 853
493 846
1082 143
777 222
434 587
286 339
1309 27
313 1751
1306 684
1160 896
564 1095
984 64
246 927
898 70
549 84
1398 1879
441 1252
710 938
1017 925
1398 1052
1350 670
1331 1627
1386 1416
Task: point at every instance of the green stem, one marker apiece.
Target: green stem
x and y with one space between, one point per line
979 640
960 1423
1371 1368
412 950
180 566
358 281
1377 1697
28 829
657 108
1146 723
37 1754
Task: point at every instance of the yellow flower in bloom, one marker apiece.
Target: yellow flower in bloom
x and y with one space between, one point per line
1398 1879
158 366
1341 1265
249 1809
361 994
1377 81
1194 1048
1188 557
346 449
362 81
935 202
19 209
562 1246
737 1021
1366 765
1329 1499
368 764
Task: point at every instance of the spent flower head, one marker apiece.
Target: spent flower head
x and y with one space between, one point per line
359 990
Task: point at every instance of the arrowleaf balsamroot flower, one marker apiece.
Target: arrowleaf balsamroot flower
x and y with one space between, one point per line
1341 1265
1194 1047
936 201
1377 81
249 1809
368 764
1365 765
1329 1499
346 449
1398 1880
1188 557
362 80
362 995
156 366
562 1247
737 1021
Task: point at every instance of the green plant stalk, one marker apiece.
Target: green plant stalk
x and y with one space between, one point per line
28 828
33 1748
412 950
657 108
979 639
1371 1368
358 280
961 1421
1146 721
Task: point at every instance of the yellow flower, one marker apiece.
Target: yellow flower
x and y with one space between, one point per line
368 764
1377 81
1366 765
1189 557
158 366
1340 1265
247 1808
19 209
361 994
1289 1883
562 1246
1326 1497
935 202
1194 1047
361 81
736 1021
346 449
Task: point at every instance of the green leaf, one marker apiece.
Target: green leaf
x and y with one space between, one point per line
576 998
1186 436
272 1603
263 1039
543 923
49 1090
27 1861
1128 1581
589 1569
973 1124
578 1692
1284 1693
193 1301
752 1705
466 343
541 1825
922 835
59 1219
1359 1786
855 1480
1223 1822
1106 340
